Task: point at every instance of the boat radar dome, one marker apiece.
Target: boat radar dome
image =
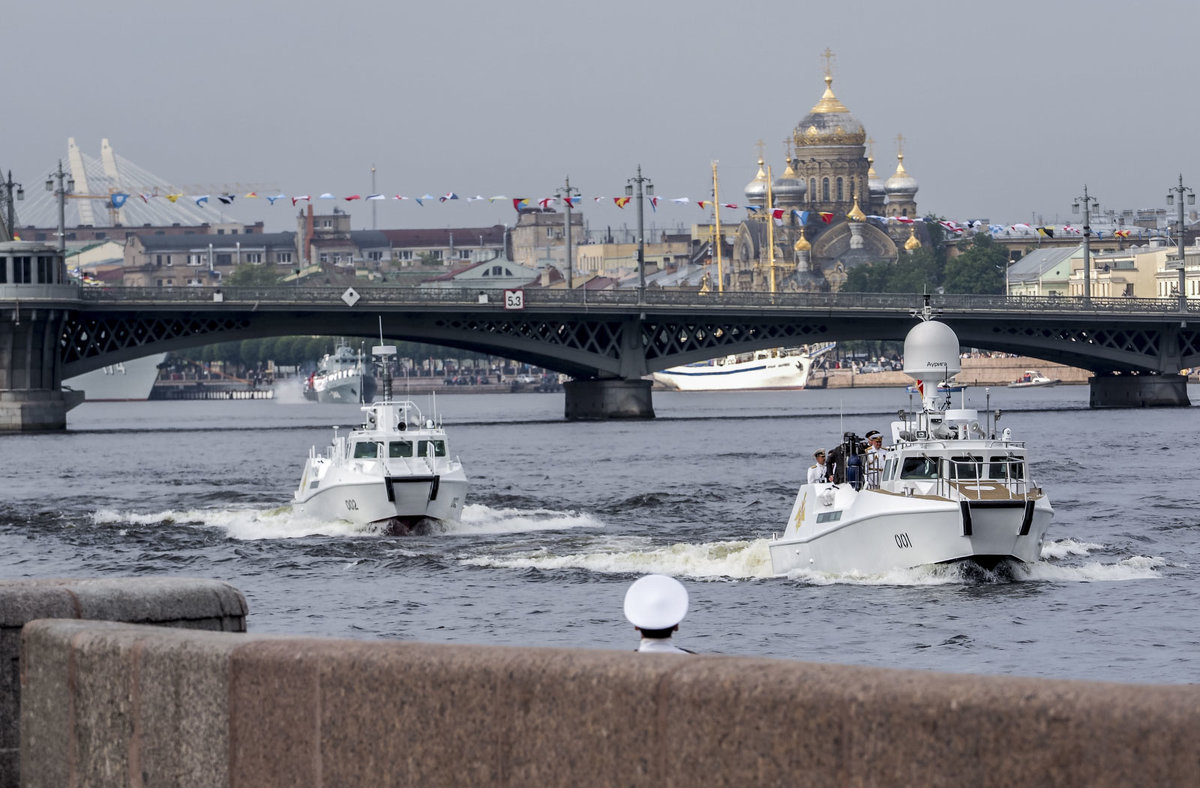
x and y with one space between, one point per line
931 354
656 602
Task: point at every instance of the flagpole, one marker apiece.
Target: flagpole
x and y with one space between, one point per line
717 233
770 230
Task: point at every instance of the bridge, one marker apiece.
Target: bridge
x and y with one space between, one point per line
606 341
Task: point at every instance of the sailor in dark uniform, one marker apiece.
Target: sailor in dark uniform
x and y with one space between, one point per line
655 604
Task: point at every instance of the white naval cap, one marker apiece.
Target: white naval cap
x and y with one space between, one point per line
656 602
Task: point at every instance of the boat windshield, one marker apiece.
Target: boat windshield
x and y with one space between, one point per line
439 449
366 450
1006 468
964 467
400 449
919 468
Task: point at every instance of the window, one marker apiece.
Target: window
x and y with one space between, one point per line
439 449
827 517
964 467
375 256
400 449
840 195
225 259
253 257
284 258
464 254
405 254
366 451
497 270
22 270
812 189
3 270
825 189
45 270
158 260
195 259
919 468
1006 468
437 254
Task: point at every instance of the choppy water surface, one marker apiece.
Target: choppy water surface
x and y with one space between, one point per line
562 517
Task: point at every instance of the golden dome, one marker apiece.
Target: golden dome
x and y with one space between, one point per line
856 214
802 245
912 243
829 123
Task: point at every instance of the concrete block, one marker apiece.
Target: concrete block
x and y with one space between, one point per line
164 601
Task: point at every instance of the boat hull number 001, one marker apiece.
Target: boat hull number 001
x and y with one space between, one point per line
903 541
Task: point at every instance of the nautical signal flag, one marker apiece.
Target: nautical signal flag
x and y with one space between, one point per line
1122 233
519 201
1046 231
826 217
118 199
777 215
621 202
353 197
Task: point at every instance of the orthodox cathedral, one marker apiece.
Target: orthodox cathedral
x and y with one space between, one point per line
835 211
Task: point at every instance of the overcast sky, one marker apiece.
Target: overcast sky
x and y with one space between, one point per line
1007 109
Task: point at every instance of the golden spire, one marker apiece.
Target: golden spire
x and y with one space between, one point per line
871 158
900 155
856 214
829 102
912 243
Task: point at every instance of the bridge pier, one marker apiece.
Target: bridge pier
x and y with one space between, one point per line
1139 391
601 400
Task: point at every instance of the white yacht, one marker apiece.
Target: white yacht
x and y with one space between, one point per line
394 472
777 368
948 489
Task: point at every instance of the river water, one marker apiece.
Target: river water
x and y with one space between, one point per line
561 517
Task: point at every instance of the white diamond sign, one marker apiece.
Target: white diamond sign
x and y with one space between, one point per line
351 296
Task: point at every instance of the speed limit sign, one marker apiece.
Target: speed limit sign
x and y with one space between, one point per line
514 299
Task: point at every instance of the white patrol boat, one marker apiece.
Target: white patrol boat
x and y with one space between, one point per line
948 489
774 369
393 472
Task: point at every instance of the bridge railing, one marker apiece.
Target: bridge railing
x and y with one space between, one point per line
476 298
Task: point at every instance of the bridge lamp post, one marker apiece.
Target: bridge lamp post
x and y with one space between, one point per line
10 187
1089 203
66 185
1181 190
641 256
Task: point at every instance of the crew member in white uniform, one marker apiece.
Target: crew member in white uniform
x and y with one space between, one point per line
876 457
816 473
655 604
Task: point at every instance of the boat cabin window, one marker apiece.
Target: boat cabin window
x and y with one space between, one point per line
400 449
965 467
1006 468
919 468
439 449
366 450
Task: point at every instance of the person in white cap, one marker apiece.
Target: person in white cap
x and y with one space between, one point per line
655 604
876 458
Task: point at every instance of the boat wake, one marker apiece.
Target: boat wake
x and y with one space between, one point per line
750 560
629 555
284 523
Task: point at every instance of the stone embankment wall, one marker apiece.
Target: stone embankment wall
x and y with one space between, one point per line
976 371
113 704
169 602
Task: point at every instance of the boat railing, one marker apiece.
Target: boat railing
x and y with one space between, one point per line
984 479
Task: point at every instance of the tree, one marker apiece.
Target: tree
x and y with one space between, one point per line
912 273
979 269
251 275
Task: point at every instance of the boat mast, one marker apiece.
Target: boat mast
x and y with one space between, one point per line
717 230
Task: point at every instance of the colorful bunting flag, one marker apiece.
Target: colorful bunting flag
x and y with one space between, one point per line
201 199
448 196
621 202
518 202
353 197
826 217
376 197
118 199
173 197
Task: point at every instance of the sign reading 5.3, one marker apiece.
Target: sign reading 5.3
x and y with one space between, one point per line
514 299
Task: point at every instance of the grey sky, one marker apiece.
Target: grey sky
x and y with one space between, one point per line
1007 109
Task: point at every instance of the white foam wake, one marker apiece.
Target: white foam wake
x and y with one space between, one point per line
741 560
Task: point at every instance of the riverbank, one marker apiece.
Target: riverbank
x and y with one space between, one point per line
976 371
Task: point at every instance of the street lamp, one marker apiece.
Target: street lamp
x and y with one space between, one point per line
568 194
1181 190
9 186
641 258
1089 203
66 185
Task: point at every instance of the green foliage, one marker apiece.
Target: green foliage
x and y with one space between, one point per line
429 259
978 269
912 273
250 275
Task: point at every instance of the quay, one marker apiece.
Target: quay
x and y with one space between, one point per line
193 700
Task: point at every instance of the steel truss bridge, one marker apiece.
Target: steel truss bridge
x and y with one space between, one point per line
612 334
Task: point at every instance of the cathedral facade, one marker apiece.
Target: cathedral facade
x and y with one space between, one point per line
827 212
